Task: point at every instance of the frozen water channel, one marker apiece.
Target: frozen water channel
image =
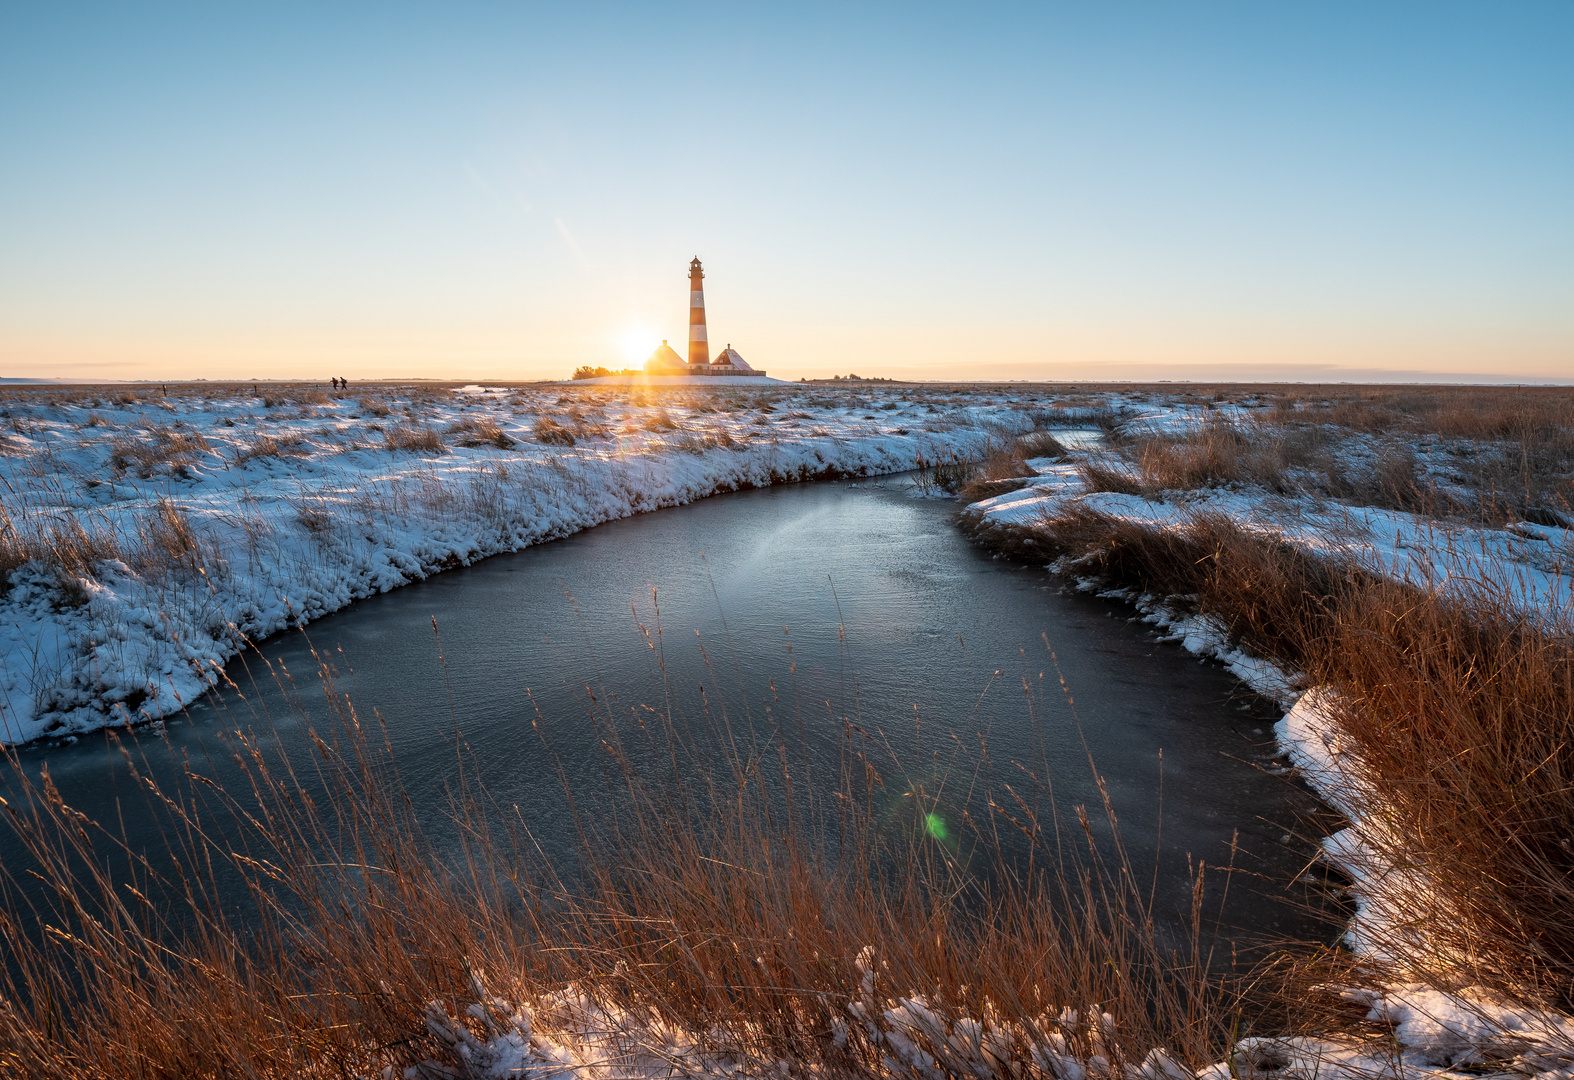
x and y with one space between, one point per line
812 601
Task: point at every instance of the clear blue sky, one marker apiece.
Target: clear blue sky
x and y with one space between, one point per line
510 190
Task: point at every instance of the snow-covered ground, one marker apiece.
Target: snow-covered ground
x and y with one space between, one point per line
570 1035
158 530
1530 560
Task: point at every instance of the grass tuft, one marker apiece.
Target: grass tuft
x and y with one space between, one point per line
481 431
549 431
265 445
415 438
160 448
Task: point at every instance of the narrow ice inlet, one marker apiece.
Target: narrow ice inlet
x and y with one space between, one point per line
790 609
195 519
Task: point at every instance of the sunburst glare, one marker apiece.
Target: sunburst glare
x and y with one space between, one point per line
635 344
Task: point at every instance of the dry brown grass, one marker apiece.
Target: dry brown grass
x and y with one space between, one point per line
73 547
161 447
315 518
548 430
1487 413
659 420
1039 444
735 907
415 438
480 431
1216 452
569 428
697 442
159 539
1297 450
1002 469
1516 444
14 547
277 396
1465 711
1102 474
59 542
166 535
265 445
425 397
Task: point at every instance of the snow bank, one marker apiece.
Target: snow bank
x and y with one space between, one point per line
1530 563
569 1034
1464 1032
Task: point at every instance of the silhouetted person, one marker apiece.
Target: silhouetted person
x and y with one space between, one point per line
344 384
335 383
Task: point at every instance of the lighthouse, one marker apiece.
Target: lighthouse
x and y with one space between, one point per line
699 348
665 361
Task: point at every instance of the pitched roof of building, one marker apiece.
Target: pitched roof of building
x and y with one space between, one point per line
729 355
665 356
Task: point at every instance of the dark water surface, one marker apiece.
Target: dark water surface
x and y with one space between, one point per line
838 599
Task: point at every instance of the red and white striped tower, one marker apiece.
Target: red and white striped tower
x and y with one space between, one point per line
699 348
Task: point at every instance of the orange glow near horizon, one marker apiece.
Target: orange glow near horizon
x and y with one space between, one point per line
790 350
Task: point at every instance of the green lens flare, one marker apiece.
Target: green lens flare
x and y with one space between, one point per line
936 826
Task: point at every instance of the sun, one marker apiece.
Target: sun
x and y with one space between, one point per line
636 344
